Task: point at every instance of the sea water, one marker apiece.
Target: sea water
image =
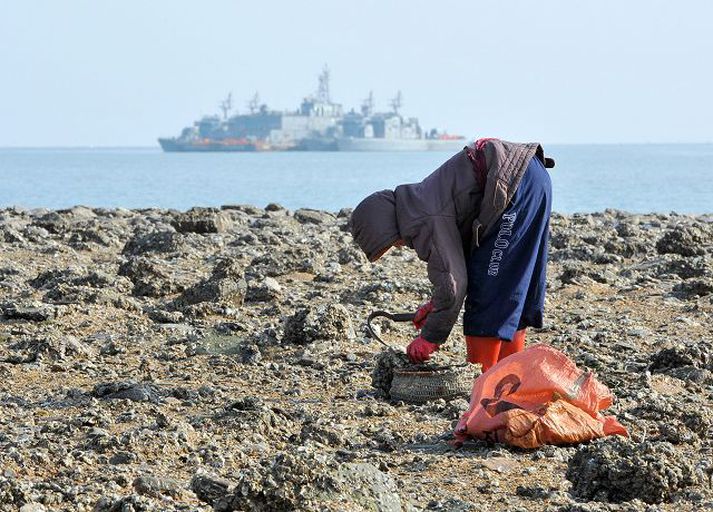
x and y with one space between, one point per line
634 178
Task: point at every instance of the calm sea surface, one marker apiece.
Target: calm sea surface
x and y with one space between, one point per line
636 178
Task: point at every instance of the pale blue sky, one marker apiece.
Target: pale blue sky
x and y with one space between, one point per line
123 73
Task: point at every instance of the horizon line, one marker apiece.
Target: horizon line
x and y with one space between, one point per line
157 147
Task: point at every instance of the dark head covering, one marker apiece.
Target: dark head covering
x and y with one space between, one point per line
373 223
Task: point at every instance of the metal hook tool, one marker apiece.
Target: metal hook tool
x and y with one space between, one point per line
394 317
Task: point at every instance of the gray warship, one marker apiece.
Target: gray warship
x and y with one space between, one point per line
319 124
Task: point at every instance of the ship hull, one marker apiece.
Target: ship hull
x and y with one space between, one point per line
341 144
358 144
316 144
175 146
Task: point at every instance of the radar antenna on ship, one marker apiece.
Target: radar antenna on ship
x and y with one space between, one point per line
367 106
226 105
397 102
254 103
323 89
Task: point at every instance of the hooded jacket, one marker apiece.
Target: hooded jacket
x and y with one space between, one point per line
442 218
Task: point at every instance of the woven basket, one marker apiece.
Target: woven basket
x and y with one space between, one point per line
418 387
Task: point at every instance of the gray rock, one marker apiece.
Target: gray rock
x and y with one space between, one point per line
210 488
228 290
40 313
250 353
123 458
696 353
369 487
131 503
328 322
310 216
303 481
127 390
53 348
149 277
202 220
225 285
265 290
617 470
150 485
695 287
33 507
686 240
155 242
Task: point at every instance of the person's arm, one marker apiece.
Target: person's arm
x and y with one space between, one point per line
448 274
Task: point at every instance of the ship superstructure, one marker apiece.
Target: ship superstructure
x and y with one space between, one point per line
318 124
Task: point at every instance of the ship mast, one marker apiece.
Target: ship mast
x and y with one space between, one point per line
397 102
226 105
367 106
254 103
323 89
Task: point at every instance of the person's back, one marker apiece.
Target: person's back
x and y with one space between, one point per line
446 218
451 191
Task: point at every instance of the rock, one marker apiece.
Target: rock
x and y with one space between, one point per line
162 316
617 470
250 414
54 222
150 485
250 353
384 365
323 431
76 277
127 390
33 507
264 291
155 242
691 361
149 277
577 273
124 381
698 353
309 216
215 290
53 348
695 287
202 220
248 209
83 239
123 458
225 285
209 488
686 268
39 313
678 420
330 322
686 240
369 487
131 503
12 236
303 481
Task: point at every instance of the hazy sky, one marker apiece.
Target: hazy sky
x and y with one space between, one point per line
125 72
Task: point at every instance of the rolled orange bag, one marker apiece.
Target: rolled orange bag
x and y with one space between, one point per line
537 397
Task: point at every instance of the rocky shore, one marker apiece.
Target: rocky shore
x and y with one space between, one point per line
217 359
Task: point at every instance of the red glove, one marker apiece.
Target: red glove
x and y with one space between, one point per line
421 314
420 350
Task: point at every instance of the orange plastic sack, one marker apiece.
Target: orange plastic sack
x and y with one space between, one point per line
536 397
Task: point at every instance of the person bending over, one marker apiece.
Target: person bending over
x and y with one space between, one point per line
481 221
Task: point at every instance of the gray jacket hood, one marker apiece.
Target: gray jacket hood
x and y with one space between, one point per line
373 223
